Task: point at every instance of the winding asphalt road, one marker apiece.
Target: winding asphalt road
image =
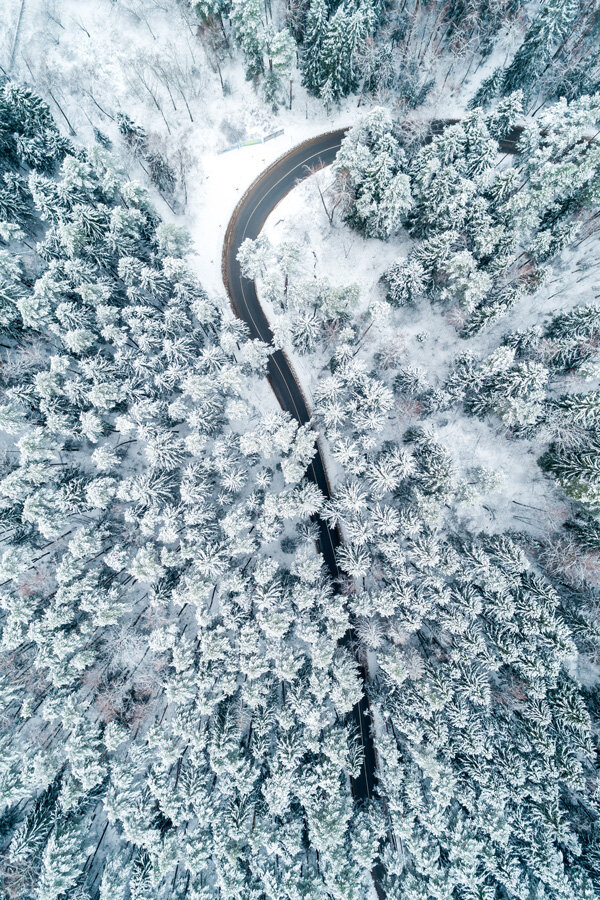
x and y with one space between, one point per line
247 221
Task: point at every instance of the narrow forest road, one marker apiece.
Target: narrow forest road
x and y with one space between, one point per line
247 221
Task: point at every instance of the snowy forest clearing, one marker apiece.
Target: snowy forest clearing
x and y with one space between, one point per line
424 339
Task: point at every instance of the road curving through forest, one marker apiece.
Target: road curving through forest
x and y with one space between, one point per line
247 221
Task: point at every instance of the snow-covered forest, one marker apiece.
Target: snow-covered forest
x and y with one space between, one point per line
246 656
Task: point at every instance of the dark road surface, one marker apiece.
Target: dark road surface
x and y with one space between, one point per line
247 222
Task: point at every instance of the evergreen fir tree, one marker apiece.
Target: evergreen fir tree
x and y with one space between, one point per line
549 27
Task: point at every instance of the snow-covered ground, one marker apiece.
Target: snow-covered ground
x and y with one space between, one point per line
92 59
524 499
226 177
95 58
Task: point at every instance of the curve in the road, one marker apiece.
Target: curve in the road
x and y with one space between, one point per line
247 221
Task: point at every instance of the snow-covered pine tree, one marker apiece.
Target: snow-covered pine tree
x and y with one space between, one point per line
369 169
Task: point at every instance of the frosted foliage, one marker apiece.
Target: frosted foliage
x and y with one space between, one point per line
205 660
142 571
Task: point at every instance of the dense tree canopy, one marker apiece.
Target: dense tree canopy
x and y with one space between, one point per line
180 670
